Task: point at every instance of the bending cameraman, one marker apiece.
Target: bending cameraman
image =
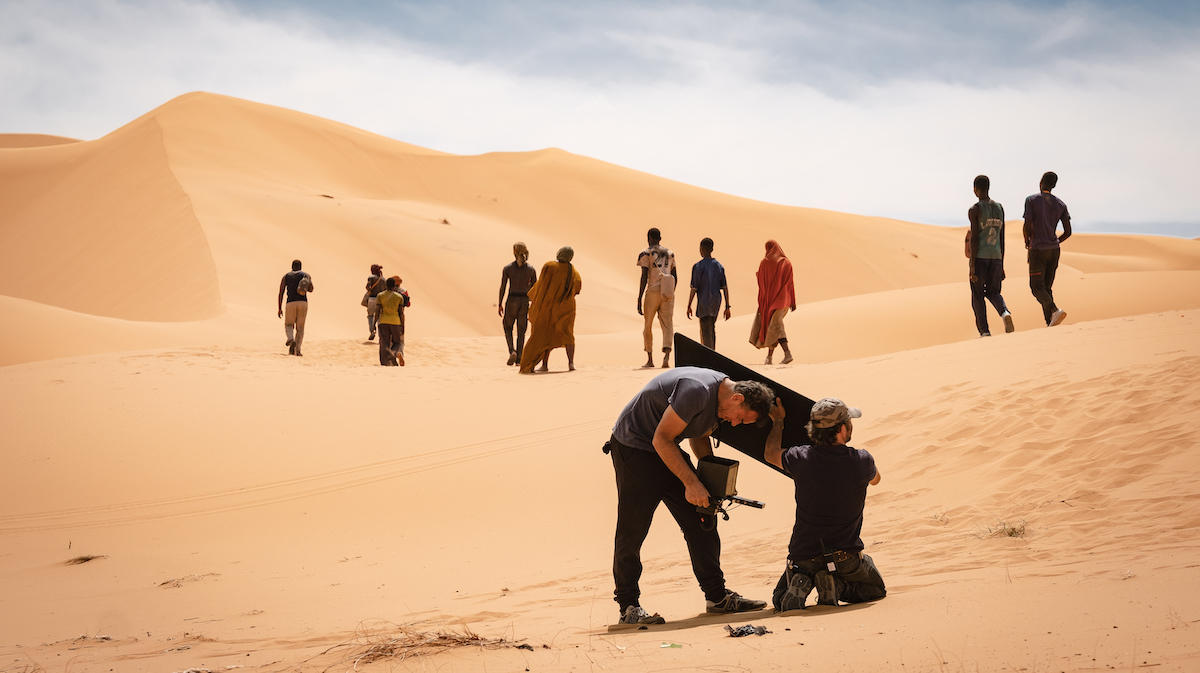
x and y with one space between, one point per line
683 403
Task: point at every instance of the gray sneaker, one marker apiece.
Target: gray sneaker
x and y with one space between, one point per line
1009 328
1057 318
634 614
733 602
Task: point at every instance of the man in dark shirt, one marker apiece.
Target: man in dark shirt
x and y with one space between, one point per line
985 250
297 285
708 282
519 277
376 284
684 403
1043 211
826 550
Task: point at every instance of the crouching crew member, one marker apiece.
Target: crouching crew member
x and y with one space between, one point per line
826 550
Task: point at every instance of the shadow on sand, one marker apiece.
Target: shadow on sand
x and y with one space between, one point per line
705 619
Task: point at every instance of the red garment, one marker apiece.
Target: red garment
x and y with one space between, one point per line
775 287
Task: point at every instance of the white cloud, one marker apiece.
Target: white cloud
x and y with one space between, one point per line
1121 137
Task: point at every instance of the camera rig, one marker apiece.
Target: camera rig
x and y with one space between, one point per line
719 476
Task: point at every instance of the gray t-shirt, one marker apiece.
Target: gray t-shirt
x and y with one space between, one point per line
690 391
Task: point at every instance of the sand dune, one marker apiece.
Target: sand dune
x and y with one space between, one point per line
104 228
199 206
249 509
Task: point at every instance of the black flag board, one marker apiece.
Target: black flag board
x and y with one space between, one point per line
749 439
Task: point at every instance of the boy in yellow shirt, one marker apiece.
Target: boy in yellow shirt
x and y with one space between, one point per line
391 323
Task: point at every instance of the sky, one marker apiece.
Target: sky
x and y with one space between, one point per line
874 107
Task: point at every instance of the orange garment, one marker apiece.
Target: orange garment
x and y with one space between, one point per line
551 312
775 288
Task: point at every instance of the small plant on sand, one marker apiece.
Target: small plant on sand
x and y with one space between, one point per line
397 642
1005 529
81 559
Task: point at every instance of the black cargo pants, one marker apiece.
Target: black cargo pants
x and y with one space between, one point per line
643 481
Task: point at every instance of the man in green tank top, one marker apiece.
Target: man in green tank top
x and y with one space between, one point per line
985 250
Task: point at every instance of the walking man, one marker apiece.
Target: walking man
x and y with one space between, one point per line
708 282
658 284
1043 212
297 284
685 403
826 550
519 277
375 285
391 324
985 250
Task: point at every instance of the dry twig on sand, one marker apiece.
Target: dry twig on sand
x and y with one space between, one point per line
82 559
179 581
399 642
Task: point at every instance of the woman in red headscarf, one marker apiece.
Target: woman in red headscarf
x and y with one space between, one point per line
776 294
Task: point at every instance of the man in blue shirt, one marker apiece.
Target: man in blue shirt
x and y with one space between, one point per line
1043 212
826 549
708 282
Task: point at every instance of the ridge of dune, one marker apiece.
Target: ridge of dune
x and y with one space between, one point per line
373 199
104 228
17 140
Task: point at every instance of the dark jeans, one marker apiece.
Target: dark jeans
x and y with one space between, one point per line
391 341
708 331
858 581
1042 266
643 481
990 273
516 312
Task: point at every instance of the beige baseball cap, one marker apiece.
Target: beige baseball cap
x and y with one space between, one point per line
830 412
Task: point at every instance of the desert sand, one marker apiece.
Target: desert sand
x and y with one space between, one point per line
247 509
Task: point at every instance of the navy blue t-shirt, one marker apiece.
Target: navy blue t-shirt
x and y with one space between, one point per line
690 391
831 490
708 277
